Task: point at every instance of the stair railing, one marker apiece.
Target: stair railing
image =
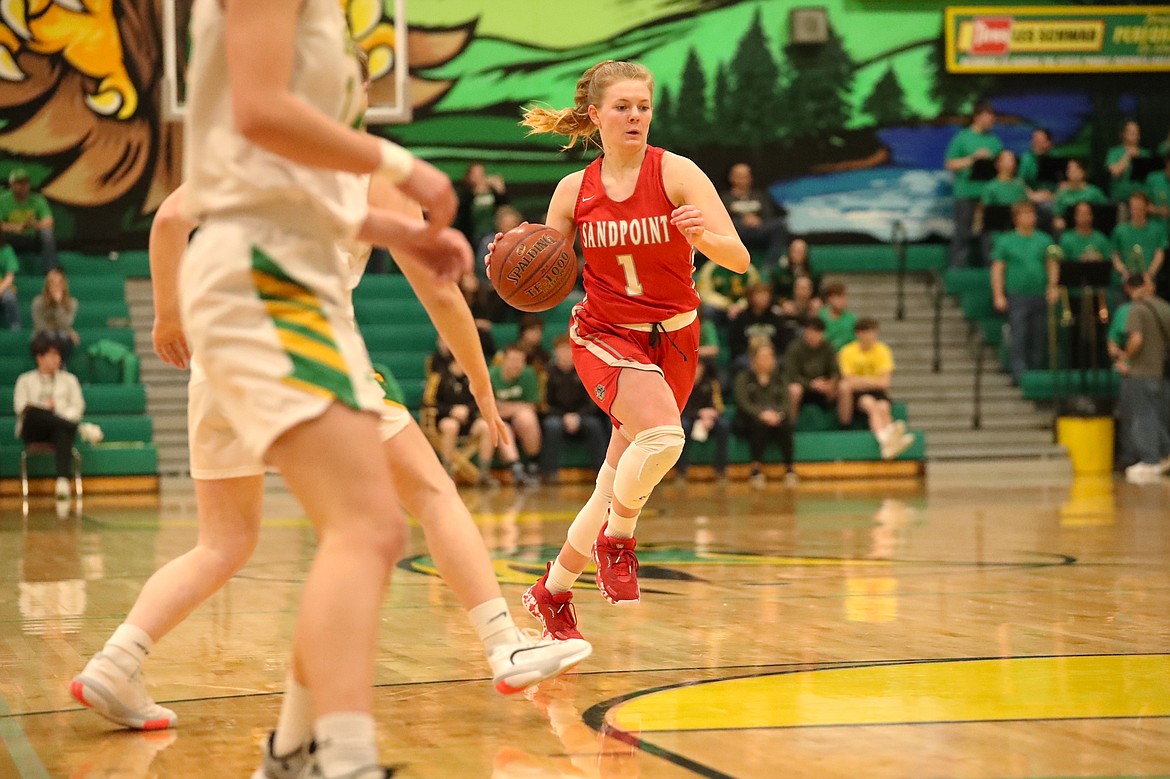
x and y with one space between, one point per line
898 241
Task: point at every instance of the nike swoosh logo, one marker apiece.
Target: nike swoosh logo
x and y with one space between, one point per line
586 198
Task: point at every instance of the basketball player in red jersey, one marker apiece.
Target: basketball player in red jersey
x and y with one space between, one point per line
640 212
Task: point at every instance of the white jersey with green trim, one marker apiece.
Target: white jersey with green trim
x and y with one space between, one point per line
228 175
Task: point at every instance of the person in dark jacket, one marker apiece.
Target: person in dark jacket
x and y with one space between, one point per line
569 413
456 416
703 418
761 399
761 319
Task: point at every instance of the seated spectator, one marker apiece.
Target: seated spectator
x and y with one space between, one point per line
762 319
439 361
9 265
53 311
507 218
1040 147
792 266
457 415
1119 161
810 366
486 308
569 413
1074 189
867 370
721 291
1139 245
839 321
702 418
759 226
1083 243
480 195
531 340
1158 190
49 405
761 400
1020 280
27 219
517 391
804 304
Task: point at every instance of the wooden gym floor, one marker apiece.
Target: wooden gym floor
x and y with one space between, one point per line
990 621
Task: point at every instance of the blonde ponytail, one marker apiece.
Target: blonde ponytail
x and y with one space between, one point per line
574 123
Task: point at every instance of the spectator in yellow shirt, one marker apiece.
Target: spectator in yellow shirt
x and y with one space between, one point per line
867 368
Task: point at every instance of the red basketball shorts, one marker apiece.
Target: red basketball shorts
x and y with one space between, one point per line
601 351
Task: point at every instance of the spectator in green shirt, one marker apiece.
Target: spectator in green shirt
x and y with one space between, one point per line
839 321
8 299
27 219
1083 243
1074 189
1041 146
1006 189
722 291
976 142
518 397
1020 280
1139 245
1118 160
1158 190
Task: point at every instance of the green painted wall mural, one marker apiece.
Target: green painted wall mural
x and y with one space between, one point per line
848 135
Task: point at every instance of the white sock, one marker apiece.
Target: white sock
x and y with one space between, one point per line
345 742
494 624
619 526
560 579
295 725
128 647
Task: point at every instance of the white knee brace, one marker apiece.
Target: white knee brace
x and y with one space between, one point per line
647 460
587 524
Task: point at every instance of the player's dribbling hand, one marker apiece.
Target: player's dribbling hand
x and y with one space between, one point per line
689 220
491 247
170 343
432 189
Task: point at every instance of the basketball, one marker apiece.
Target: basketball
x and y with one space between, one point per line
533 267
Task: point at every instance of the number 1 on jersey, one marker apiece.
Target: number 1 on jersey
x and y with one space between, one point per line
633 286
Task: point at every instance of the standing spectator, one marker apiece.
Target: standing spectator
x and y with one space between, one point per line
976 142
1158 190
1074 189
761 400
480 194
27 219
1145 397
1040 147
49 405
531 340
569 413
53 311
839 321
1020 278
9 265
1139 245
702 418
792 266
804 304
457 415
1119 161
722 291
867 369
761 319
759 226
518 396
1006 189
1084 243
507 219
810 365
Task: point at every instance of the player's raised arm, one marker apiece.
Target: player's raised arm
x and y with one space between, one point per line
259 40
169 233
701 215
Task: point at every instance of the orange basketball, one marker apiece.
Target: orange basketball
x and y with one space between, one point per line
533 267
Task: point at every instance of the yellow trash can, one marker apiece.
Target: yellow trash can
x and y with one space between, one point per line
1089 441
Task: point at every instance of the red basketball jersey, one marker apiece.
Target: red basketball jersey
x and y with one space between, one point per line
638 266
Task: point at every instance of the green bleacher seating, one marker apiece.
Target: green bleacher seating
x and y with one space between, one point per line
99 399
875 258
1053 385
107 459
95 287
960 280
123 428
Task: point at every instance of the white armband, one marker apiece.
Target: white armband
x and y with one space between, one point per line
396 161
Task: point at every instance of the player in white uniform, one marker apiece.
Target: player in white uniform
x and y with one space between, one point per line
229 486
